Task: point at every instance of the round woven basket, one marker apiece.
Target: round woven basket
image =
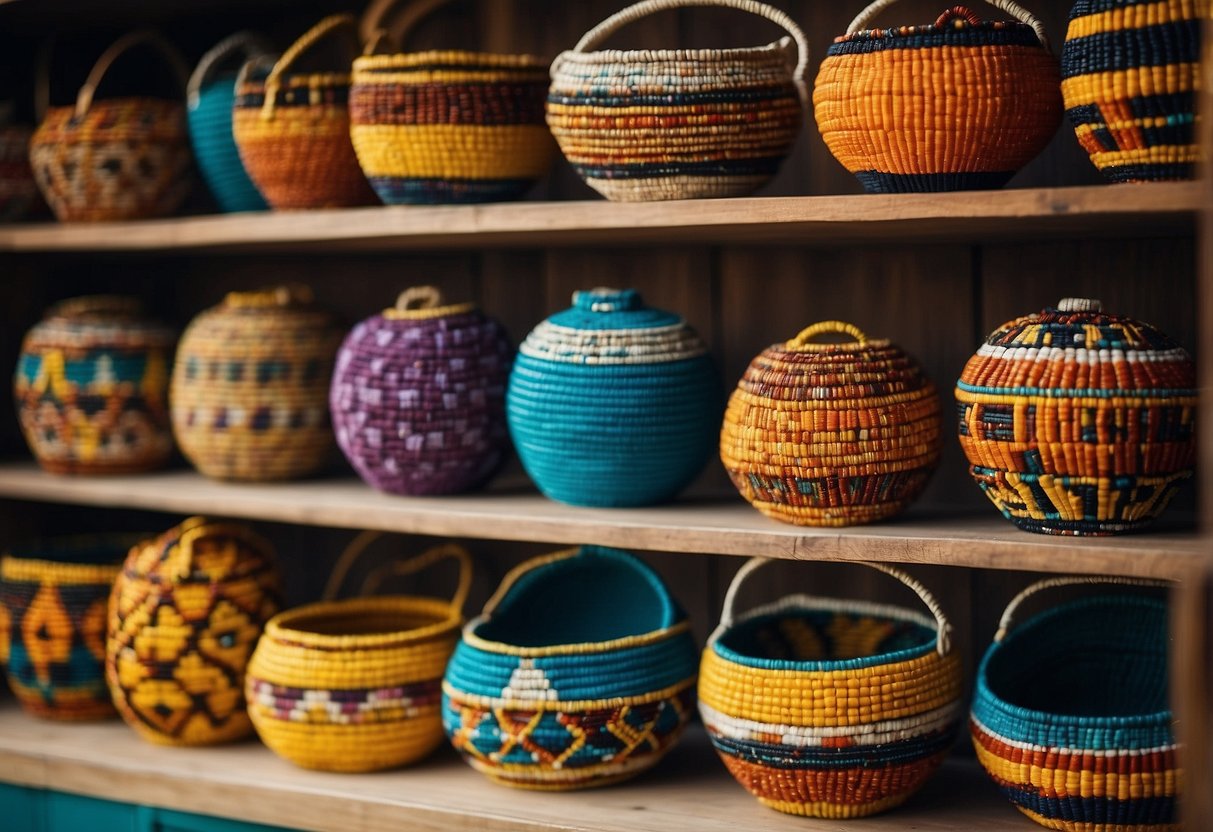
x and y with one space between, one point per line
832 434
827 708
1070 715
678 123
960 104
580 672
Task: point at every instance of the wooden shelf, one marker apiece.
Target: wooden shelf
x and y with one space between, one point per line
1103 210
721 526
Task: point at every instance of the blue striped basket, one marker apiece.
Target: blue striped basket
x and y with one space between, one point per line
580 672
612 403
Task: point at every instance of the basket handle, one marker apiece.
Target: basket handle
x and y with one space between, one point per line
512 577
138 38
373 33
1012 8
801 341
310 38
943 638
372 582
244 43
42 78
1008 615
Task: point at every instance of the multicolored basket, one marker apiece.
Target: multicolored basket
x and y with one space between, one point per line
18 189
679 123
211 95
92 388
1079 422
612 403
293 128
118 159
961 104
53 599
250 386
354 685
831 709
832 434
418 396
1070 715
580 672
184 617
1131 72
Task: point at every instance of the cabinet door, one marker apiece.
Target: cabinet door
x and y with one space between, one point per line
22 809
73 813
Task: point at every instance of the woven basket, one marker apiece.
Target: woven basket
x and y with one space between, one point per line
446 126
1130 74
1070 715
117 159
1079 422
418 396
184 616
53 598
678 124
250 386
354 685
612 403
92 388
293 129
580 672
18 191
211 94
961 104
832 434
826 708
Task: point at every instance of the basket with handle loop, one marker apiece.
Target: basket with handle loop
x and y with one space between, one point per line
645 125
830 708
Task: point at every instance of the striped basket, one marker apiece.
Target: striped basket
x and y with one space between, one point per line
293 128
354 685
1070 715
612 403
92 388
961 104
832 434
580 672
185 614
1079 422
678 124
18 190
831 709
418 396
117 159
211 94
1130 72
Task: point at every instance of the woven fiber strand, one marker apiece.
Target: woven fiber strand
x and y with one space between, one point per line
579 673
1078 422
832 434
53 599
418 396
184 616
612 403
960 104
826 708
250 387
18 189
1130 74
92 388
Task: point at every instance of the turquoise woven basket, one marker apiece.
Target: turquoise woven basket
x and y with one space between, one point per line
612 403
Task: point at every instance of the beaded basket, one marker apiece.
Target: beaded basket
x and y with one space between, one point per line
92 388
250 386
612 403
1070 715
53 599
354 685
676 124
18 190
832 434
826 708
418 396
961 104
184 617
1130 74
580 672
1079 422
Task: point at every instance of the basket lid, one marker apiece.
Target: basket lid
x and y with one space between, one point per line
201 551
958 26
102 319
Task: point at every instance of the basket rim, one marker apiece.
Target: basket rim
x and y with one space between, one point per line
285 626
936 28
494 60
776 48
11 557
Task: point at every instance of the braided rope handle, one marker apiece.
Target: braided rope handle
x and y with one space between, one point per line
1012 8
373 32
273 81
363 540
943 639
246 44
419 297
1008 615
801 341
141 37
